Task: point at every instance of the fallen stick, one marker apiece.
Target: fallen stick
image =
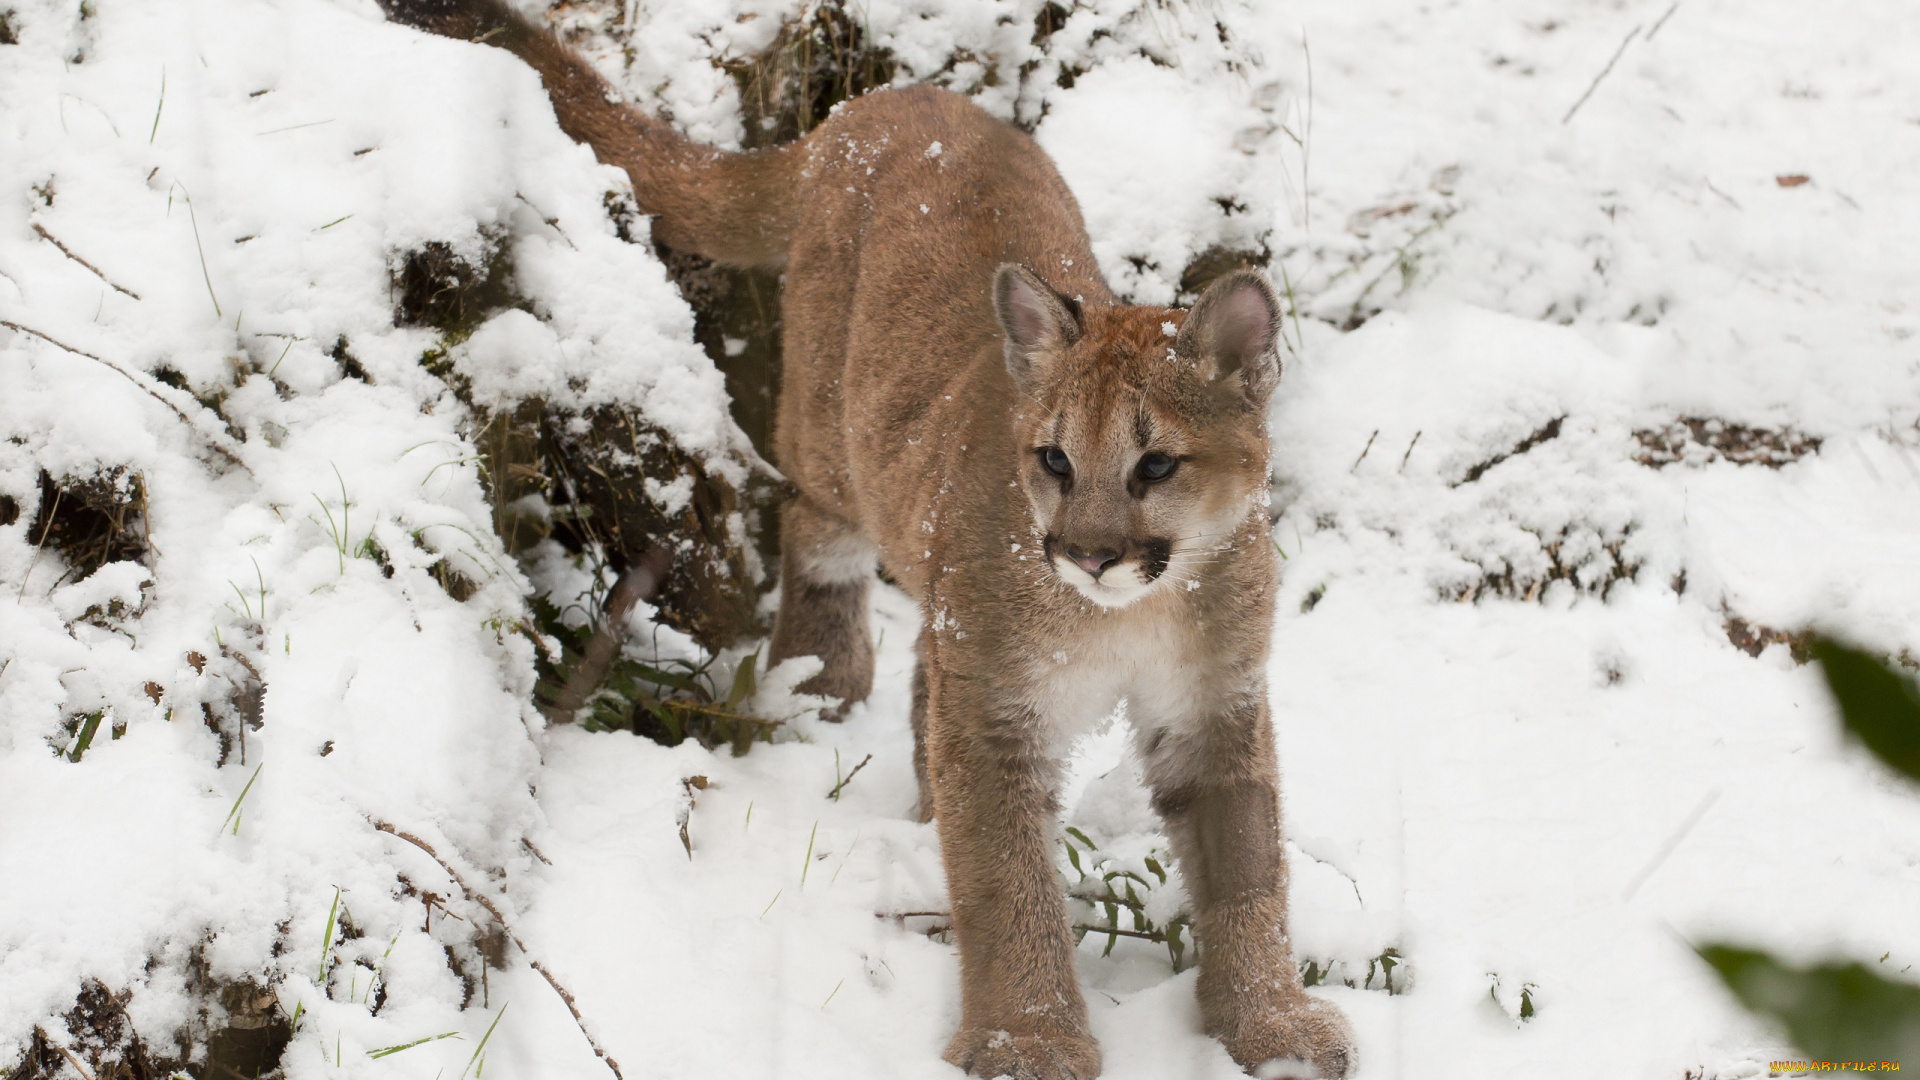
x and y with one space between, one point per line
637 583
68 252
1595 85
506 928
841 784
212 442
81 1069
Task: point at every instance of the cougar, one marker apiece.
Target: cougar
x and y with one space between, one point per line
1074 489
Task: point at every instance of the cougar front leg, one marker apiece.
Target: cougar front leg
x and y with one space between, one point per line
1216 787
1021 1010
826 568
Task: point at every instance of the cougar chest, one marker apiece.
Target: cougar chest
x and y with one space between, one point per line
1152 656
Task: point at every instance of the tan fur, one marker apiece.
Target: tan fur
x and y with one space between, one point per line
945 326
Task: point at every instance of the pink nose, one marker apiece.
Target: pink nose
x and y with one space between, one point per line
1093 564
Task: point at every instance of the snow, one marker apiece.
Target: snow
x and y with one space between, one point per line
1518 746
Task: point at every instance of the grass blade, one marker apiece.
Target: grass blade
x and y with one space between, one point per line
233 815
482 1048
326 940
87 730
389 1051
808 864
744 682
160 106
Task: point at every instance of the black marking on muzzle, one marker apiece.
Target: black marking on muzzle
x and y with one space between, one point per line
1158 553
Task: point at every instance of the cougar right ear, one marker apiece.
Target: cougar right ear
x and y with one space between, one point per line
1235 328
1036 320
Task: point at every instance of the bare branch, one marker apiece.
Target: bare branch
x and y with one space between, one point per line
213 442
1595 85
507 928
68 252
637 583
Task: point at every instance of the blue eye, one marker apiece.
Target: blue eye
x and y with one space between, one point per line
1156 467
1055 461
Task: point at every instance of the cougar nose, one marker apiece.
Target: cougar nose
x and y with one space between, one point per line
1094 563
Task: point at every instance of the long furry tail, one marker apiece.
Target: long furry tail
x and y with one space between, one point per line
734 208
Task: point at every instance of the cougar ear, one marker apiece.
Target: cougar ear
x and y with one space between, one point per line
1036 320
1235 326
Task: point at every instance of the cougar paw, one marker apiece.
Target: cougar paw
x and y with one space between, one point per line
988 1054
843 684
1301 1039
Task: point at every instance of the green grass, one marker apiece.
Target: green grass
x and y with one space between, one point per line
1109 892
389 1051
326 939
477 1063
808 864
669 700
233 815
339 531
89 726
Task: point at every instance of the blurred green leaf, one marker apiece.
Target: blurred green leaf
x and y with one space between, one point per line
671 679
1834 1012
1878 704
744 682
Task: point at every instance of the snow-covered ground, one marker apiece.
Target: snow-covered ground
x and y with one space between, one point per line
1519 748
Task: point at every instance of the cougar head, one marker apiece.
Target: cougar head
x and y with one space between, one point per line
1141 430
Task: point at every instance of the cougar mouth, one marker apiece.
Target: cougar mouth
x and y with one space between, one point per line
1108 578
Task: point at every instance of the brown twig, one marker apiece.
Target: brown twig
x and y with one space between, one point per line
841 784
1595 84
136 380
637 583
68 252
37 548
506 928
82 1069
1364 450
1662 21
1158 936
1144 935
551 222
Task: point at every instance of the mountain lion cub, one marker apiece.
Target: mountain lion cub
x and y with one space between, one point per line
1074 489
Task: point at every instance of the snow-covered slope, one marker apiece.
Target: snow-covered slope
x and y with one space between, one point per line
1576 404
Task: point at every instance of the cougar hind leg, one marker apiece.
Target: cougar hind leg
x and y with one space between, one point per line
924 813
826 570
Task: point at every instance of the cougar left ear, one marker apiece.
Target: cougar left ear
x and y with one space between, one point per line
1235 326
1037 321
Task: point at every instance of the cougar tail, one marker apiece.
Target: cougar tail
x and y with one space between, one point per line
734 208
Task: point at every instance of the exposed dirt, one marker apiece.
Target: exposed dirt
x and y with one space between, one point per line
1698 440
91 520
